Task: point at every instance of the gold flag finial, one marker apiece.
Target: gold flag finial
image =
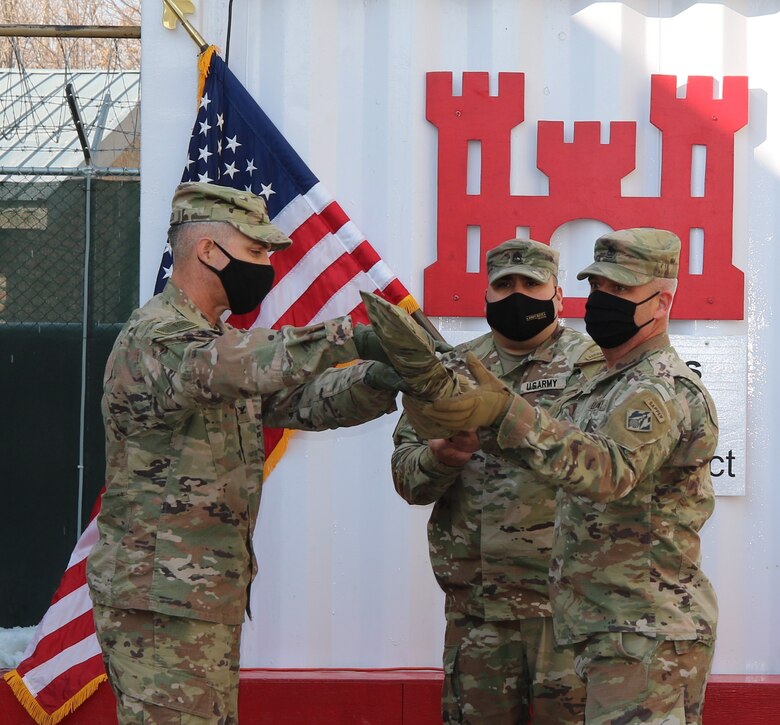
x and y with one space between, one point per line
170 16
174 10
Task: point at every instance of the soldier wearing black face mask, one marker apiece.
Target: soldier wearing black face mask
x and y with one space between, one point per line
629 452
491 528
185 400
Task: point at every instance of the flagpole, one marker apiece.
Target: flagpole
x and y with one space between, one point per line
424 321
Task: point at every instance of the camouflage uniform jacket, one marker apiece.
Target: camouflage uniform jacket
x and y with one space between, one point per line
491 529
630 451
184 407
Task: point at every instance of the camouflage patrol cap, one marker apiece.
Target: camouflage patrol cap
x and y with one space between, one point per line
524 257
635 256
197 201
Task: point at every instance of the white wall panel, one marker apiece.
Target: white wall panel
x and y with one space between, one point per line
345 579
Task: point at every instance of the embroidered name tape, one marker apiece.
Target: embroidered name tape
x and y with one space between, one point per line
531 386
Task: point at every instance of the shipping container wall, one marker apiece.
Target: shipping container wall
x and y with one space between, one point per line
344 578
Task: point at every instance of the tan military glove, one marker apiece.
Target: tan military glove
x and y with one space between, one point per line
478 407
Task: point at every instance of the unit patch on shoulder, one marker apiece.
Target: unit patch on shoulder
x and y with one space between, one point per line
657 412
175 327
592 354
639 421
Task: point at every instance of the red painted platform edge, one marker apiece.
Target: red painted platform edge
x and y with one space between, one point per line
744 680
391 674
405 696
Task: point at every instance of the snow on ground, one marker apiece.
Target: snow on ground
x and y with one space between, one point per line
13 642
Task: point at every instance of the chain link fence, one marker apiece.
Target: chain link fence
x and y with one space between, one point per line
68 281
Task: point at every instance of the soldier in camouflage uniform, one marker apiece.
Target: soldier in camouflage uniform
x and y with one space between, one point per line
630 451
491 528
185 401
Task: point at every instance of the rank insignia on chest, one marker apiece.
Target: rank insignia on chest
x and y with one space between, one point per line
640 421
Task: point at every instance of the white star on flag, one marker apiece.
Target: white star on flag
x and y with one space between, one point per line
204 101
250 166
230 169
204 127
233 144
204 153
266 191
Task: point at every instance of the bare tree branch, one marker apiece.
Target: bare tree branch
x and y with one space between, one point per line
89 53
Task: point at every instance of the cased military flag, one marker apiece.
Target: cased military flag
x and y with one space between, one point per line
320 276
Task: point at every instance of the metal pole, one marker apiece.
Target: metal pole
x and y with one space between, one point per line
70 31
424 321
85 325
75 112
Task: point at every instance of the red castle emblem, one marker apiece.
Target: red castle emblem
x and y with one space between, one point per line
584 183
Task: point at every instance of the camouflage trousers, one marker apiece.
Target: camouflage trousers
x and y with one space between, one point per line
499 673
632 678
169 670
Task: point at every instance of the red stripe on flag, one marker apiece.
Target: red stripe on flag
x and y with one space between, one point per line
359 315
63 687
320 291
73 631
334 216
365 255
304 238
72 579
395 291
245 321
271 437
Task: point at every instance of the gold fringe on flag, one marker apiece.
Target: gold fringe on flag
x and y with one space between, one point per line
276 454
409 304
36 712
204 63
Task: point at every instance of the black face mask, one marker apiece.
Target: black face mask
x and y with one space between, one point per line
246 284
519 317
609 319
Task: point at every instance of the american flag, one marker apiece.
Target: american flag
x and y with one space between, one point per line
62 665
320 276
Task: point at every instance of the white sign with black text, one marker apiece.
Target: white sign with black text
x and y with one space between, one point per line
722 364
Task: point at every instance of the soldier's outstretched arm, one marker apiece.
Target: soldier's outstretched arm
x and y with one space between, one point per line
202 369
333 399
603 465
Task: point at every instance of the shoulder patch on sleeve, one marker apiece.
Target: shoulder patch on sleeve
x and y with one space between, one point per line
175 327
641 419
592 354
591 361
